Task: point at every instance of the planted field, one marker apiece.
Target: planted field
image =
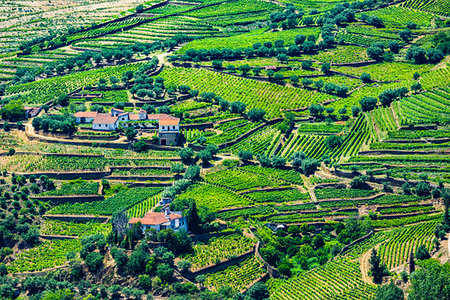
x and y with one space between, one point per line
291 195
247 40
311 217
430 107
140 209
238 277
358 135
42 91
398 16
383 200
219 249
342 54
312 145
268 96
46 255
239 180
253 212
406 220
437 160
121 201
343 193
397 249
107 97
418 134
75 188
383 118
231 134
337 279
233 10
214 197
441 7
36 163
286 175
55 227
260 142
188 106
318 128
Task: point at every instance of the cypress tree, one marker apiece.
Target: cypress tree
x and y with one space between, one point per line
412 263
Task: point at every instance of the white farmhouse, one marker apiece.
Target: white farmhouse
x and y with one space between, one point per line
105 122
161 220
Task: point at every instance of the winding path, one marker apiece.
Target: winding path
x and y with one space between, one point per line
364 266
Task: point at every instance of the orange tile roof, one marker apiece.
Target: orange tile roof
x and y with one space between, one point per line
105 119
169 122
134 117
154 218
86 114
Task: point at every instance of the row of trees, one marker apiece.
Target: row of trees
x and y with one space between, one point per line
55 123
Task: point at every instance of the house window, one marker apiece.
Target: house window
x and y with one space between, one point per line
163 128
173 127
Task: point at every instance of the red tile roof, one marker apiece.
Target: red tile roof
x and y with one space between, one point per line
169 122
154 218
105 119
86 114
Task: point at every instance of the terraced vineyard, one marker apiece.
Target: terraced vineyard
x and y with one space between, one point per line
268 96
348 285
312 145
55 227
396 250
121 201
266 147
237 276
47 255
219 249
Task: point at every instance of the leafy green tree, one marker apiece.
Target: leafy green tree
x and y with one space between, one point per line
165 272
140 146
130 133
432 281
94 261
389 292
368 103
205 156
309 166
145 282
422 252
365 77
186 155
192 172
423 189
140 8
325 68
13 110
237 107
355 111
245 155
333 141
184 265
375 53
417 55
394 47
376 267
258 291
177 168
406 35
256 114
